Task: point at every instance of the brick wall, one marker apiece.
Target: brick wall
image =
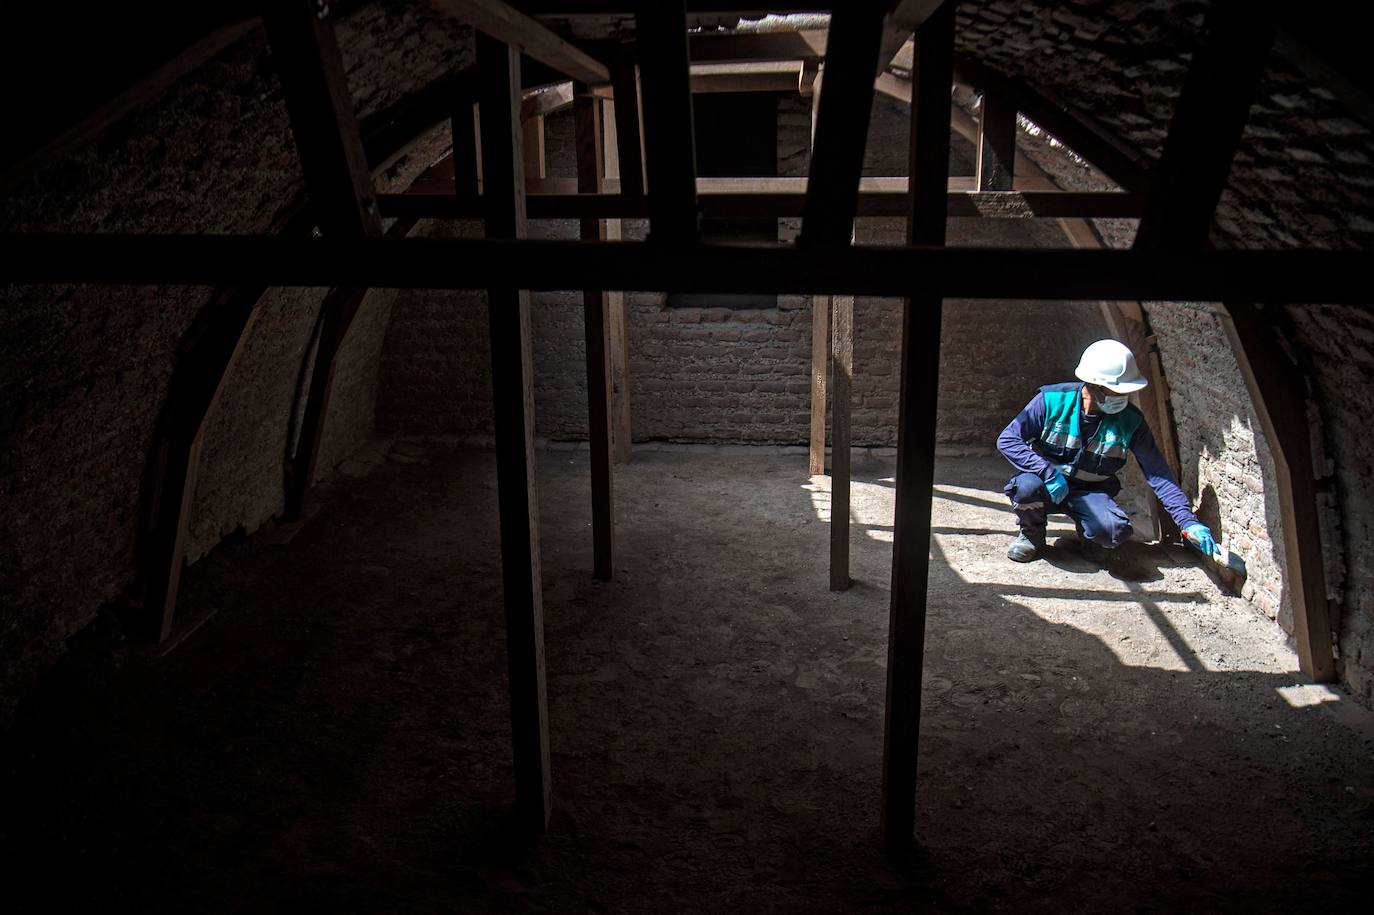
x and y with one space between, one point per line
84 370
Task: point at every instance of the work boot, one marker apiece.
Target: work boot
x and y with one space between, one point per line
1093 552
1027 545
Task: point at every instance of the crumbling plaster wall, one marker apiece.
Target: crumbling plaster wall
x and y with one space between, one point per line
84 370
1302 177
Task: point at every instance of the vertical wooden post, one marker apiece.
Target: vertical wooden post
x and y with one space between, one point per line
932 74
512 385
842 358
467 159
996 144
820 371
533 143
628 125
615 302
596 325
669 148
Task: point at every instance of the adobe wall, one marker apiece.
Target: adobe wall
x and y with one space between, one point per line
84 370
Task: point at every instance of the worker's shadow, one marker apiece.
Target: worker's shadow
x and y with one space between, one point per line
1132 561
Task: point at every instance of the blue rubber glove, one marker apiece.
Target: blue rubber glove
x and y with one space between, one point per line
1199 536
1058 487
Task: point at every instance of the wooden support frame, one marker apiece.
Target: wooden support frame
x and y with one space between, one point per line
498 68
669 145
339 185
820 377
618 313
1294 276
596 332
532 145
843 107
996 145
629 129
777 198
1072 129
906 18
932 75
841 378
507 24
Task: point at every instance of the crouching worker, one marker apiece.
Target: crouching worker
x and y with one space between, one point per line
1068 445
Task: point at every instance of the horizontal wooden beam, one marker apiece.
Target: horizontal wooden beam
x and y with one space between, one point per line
747 76
785 202
736 46
1294 276
513 27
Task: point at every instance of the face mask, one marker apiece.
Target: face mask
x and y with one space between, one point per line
1114 404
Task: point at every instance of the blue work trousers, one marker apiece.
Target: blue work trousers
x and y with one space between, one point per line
1092 508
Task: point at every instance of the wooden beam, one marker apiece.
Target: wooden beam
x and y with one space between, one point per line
669 147
820 371
596 327
615 303
1295 276
996 145
467 153
801 45
544 101
1072 128
841 132
338 183
532 142
776 198
512 385
747 76
841 377
906 19
513 27
932 75
629 131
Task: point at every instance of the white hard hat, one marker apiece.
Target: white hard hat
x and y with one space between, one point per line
1111 364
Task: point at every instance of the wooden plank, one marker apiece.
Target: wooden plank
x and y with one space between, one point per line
906 19
996 145
707 47
628 127
776 198
338 183
843 109
842 361
532 143
820 371
748 76
467 158
513 27
546 100
616 306
1295 276
596 327
512 380
932 74
669 148
1072 128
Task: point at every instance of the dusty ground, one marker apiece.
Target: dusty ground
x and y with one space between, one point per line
335 737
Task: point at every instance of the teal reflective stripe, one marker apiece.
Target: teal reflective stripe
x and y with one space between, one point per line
1104 455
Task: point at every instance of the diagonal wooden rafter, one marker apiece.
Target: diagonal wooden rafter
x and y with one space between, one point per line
513 27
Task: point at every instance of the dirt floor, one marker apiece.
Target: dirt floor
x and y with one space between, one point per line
335 737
